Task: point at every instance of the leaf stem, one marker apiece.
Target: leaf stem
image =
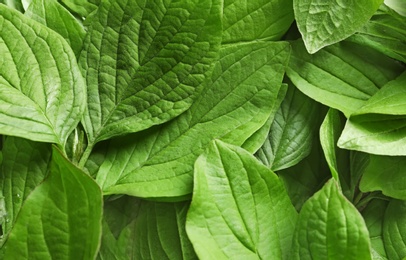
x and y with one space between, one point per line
85 156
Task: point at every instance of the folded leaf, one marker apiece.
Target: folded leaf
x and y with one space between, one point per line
343 76
293 129
144 61
237 101
324 22
24 167
42 93
379 127
239 209
394 229
330 227
60 219
256 19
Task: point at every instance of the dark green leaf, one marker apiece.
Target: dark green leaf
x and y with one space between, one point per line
394 230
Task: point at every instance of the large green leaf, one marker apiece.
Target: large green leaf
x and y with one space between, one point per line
237 101
42 92
385 32
397 5
387 174
330 227
61 219
324 22
24 167
52 14
256 19
374 215
379 127
144 61
292 131
343 76
394 229
240 209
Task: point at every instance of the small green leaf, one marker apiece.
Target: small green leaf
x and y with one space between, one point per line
237 101
256 19
343 76
325 22
240 209
394 229
61 219
144 62
42 92
330 227
82 7
293 129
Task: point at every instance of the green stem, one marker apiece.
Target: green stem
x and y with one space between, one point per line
85 156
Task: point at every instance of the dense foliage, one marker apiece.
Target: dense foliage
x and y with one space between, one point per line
163 129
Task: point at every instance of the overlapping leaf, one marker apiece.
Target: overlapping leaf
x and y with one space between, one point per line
60 219
394 229
343 76
325 22
42 92
236 102
144 61
330 227
240 209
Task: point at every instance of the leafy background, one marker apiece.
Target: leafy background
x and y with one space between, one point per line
162 129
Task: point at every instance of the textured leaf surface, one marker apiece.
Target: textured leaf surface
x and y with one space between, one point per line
387 174
292 131
240 209
42 93
236 102
24 167
394 229
343 76
53 15
144 61
379 127
248 20
330 227
60 219
324 22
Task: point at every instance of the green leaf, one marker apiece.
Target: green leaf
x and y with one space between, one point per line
24 167
374 215
239 209
385 32
256 19
293 129
387 174
42 93
325 22
144 62
15 4
394 229
343 76
397 5
60 219
237 101
379 127
53 15
82 7
330 227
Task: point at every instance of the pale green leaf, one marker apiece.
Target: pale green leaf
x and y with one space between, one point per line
293 129
24 167
249 20
53 15
330 227
82 7
394 229
240 209
387 174
42 92
385 32
379 127
397 5
237 101
325 22
343 76
144 61
61 218
15 4
374 215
